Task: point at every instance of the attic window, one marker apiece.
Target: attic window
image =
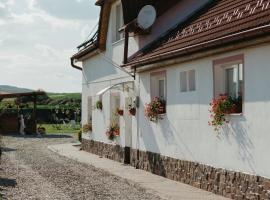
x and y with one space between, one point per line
118 22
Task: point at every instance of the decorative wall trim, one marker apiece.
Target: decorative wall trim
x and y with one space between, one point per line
113 152
234 185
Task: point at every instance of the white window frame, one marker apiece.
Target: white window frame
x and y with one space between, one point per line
187 80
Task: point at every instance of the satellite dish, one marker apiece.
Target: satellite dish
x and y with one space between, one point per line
146 17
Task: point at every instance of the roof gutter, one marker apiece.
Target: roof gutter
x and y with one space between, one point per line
72 62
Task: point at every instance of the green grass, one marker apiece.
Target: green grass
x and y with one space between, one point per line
58 129
56 96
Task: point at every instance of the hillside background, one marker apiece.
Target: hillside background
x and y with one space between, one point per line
68 100
54 96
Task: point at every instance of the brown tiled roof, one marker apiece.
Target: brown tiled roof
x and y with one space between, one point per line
222 22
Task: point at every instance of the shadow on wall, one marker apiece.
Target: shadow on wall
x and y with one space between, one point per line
155 164
172 136
239 133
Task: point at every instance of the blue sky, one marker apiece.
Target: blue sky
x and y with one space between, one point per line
37 38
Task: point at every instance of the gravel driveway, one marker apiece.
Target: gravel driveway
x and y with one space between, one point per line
30 171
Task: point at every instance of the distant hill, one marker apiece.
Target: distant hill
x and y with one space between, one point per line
13 89
50 99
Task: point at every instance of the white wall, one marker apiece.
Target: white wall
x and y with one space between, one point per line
100 72
115 50
184 132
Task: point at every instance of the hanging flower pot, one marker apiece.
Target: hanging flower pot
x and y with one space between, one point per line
99 105
120 112
113 131
87 128
132 111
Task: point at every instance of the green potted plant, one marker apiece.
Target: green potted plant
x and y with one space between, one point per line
99 105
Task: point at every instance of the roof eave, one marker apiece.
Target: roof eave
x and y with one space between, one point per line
85 51
189 51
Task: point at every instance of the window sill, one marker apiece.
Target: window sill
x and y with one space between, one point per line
236 114
118 41
163 114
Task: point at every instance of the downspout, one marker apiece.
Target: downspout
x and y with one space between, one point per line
73 64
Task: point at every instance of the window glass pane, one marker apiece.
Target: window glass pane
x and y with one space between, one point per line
191 80
118 22
240 84
161 85
158 85
232 82
183 81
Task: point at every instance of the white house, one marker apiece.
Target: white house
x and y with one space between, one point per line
194 52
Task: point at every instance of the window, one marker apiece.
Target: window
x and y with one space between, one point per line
187 81
158 85
234 80
118 22
161 88
229 79
183 81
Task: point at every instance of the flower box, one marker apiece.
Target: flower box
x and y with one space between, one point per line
221 107
154 109
162 108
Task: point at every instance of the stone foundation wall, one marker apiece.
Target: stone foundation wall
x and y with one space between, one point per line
234 185
113 152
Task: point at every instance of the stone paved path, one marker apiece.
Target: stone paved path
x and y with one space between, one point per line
161 186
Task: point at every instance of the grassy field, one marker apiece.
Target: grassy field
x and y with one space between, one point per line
58 129
57 96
